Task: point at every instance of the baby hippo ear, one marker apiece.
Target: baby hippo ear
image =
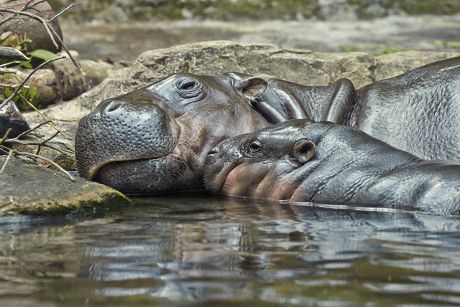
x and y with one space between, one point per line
251 88
303 150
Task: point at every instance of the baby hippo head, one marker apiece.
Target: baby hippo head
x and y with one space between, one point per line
268 164
300 161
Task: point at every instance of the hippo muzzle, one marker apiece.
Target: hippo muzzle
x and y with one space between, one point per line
122 144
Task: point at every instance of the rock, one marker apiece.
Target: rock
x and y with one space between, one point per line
60 81
391 65
31 189
31 28
12 54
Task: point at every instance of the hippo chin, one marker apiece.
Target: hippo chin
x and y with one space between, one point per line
155 139
301 161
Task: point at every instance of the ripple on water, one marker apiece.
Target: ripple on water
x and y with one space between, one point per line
201 249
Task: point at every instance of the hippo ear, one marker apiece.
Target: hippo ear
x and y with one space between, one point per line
251 88
303 150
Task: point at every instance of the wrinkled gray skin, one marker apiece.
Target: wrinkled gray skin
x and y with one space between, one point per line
155 139
322 162
11 117
422 104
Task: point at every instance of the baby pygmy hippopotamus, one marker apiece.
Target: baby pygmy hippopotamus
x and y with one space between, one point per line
302 161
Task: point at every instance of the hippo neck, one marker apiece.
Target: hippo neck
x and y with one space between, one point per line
334 103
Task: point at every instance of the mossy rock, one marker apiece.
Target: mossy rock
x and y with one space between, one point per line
32 189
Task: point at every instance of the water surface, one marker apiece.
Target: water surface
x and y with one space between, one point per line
191 250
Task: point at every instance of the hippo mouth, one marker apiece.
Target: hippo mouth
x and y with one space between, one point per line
154 175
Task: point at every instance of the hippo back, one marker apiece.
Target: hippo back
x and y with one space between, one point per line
418 111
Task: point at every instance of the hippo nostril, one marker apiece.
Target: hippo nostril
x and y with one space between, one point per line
113 106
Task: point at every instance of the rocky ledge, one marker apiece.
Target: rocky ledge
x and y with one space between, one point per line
31 189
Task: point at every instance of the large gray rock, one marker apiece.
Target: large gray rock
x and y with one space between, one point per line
28 188
31 28
301 66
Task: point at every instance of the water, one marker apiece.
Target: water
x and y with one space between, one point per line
193 250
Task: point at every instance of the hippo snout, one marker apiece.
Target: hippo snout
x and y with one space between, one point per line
125 128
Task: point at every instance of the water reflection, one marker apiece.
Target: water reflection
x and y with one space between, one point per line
199 249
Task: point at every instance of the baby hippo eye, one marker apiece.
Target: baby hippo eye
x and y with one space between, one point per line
253 147
187 85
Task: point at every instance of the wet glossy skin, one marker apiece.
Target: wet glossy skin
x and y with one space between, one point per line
421 104
11 117
154 140
301 161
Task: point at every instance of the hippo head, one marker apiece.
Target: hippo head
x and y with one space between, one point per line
155 139
264 164
299 160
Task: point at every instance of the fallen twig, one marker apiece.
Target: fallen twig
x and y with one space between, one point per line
48 121
22 154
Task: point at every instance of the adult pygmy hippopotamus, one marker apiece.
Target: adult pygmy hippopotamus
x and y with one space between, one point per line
155 139
327 163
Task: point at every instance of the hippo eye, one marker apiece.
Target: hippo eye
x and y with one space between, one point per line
187 85
253 147
189 88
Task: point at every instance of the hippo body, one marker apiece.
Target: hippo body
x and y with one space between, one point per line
322 162
421 104
155 139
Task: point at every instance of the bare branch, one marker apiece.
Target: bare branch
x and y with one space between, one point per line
16 92
6 161
6 135
46 23
33 16
62 12
52 124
